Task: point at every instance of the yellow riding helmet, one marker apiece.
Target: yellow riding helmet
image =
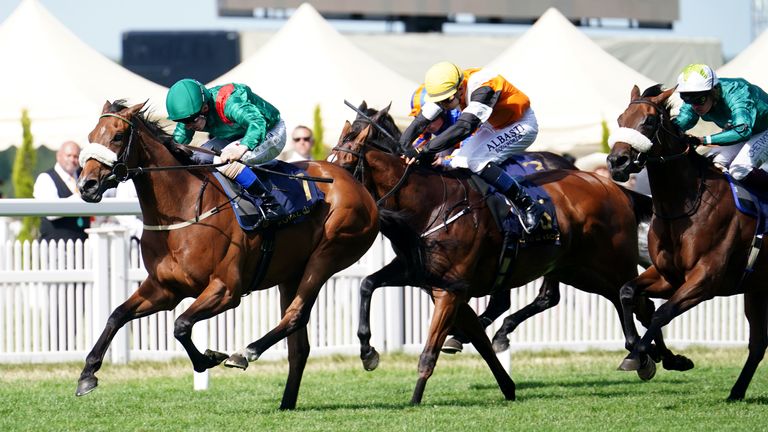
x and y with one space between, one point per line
442 81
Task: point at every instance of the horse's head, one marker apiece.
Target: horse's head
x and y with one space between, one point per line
645 129
105 159
372 128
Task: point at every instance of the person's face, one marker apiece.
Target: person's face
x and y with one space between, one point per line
701 102
450 103
68 157
196 122
302 141
435 125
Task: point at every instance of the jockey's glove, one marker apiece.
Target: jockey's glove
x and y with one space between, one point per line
233 152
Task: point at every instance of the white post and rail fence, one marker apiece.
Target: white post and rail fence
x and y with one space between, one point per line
55 299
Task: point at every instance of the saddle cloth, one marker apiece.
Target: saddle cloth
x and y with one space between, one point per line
750 202
296 196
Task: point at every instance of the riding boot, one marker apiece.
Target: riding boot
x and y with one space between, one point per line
271 209
756 179
529 210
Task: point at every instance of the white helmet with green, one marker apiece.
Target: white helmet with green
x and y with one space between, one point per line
696 78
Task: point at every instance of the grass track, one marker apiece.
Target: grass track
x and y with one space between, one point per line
555 391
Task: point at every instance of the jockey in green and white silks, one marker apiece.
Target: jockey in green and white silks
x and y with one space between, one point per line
242 125
735 105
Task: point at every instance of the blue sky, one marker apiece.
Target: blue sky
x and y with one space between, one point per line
100 23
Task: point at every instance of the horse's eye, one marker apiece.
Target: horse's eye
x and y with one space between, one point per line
650 121
118 137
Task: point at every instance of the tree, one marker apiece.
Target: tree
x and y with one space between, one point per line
319 152
604 147
22 178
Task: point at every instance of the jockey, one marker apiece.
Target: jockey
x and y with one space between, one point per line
436 127
242 125
496 121
735 105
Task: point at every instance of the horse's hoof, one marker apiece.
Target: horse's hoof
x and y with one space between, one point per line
647 370
215 356
86 385
677 363
629 364
500 344
236 361
452 346
370 360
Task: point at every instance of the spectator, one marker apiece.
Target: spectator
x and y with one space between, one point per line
61 182
303 142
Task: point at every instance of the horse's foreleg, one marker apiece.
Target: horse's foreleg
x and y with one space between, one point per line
687 296
216 298
498 303
446 305
628 297
755 308
298 352
147 300
392 274
669 359
469 323
549 297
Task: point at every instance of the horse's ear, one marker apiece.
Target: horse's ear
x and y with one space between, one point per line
635 93
131 111
344 131
664 95
386 109
363 135
105 108
363 106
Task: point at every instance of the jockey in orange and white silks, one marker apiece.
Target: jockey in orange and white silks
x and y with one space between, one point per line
496 122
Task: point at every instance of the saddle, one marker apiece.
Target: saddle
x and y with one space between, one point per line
297 197
507 219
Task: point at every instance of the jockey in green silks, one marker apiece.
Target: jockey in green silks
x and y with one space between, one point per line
242 125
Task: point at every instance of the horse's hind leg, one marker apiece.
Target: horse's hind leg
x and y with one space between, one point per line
468 321
549 297
215 299
755 305
392 274
148 299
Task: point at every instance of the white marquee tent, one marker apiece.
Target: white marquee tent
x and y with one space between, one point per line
61 81
573 84
308 63
751 64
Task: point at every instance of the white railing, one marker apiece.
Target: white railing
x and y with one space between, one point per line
55 299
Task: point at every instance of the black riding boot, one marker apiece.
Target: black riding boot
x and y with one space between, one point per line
269 206
757 179
529 210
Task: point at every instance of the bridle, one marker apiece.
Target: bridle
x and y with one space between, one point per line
120 170
661 126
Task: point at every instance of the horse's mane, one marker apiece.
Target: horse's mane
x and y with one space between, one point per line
181 153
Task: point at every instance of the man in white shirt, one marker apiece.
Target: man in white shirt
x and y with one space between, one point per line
302 144
61 182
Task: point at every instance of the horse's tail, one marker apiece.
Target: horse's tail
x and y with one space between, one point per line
642 205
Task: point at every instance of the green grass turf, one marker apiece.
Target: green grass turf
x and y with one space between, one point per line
555 391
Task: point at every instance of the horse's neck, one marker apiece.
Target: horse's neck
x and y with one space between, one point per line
165 195
676 185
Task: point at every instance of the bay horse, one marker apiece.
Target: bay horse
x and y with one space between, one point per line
597 250
699 242
211 258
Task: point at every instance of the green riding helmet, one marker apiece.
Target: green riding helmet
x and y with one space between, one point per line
185 99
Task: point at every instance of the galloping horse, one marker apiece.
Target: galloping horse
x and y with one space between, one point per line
210 257
597 250
698 241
